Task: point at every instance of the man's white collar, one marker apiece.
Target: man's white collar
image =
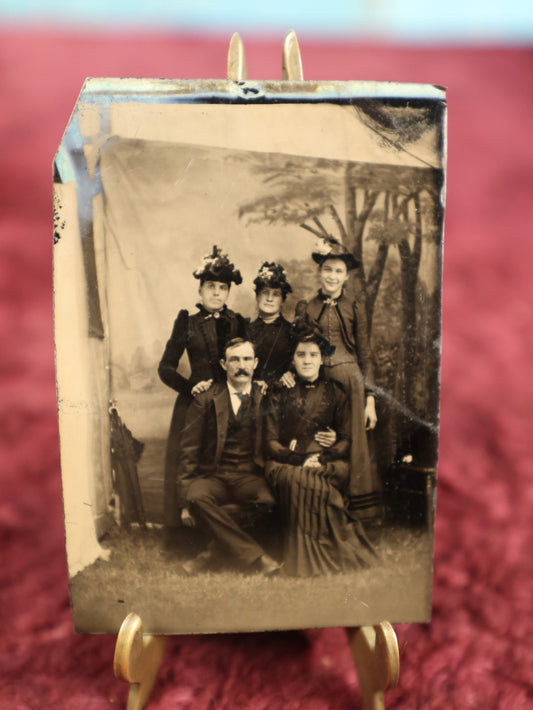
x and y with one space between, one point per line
236 392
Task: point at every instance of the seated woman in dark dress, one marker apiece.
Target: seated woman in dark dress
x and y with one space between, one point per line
307 440
271 334
202 335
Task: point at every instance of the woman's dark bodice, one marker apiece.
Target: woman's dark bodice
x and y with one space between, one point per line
297 414
274 343
203 336
332 328
346 323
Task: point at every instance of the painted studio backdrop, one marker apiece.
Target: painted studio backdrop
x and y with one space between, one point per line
143 190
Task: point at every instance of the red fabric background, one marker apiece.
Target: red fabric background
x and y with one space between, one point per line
475 653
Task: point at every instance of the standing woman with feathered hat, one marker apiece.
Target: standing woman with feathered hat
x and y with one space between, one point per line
343 323
271 333
203 335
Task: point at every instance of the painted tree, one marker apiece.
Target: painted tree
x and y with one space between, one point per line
308 192
376 204
405 215
388 211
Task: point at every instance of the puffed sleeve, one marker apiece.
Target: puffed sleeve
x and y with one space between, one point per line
171 357
362 344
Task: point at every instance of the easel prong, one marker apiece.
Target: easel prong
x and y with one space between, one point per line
236 59
291 58
377 662
137 660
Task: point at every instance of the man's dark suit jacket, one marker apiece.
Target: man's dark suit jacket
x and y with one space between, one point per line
204 435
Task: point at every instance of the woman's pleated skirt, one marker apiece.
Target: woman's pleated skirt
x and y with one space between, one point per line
318 536
364 488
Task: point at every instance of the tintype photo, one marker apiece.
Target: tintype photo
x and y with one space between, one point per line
247 305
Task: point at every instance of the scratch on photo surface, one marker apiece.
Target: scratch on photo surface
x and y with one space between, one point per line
406 411
186 168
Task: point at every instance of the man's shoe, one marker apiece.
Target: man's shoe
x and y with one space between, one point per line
268 565
198 564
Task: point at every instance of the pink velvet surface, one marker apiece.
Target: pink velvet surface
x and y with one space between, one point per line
477 652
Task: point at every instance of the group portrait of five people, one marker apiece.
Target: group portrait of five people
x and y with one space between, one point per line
273 423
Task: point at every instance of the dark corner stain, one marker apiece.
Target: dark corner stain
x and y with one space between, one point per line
57 177
59 223
245 88
250 90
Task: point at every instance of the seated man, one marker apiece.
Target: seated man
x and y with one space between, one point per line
222 462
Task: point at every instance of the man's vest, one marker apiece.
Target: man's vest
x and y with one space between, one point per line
239 445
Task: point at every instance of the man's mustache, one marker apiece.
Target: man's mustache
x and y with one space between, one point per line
241 371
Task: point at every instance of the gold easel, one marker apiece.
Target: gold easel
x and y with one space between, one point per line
374 648
374 651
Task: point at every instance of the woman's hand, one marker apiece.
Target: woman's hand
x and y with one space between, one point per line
202 386
370 413
263 386
312 461
287 379
326 438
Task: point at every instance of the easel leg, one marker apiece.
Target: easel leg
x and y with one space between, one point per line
137 660
377 661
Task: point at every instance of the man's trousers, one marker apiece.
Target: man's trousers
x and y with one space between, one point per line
206 498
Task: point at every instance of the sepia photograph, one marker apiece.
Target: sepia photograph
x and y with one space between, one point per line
247 293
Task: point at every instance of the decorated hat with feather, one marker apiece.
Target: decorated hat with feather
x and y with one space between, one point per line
272 275
329 247
216 266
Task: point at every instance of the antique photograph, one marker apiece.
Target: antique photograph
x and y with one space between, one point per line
247 305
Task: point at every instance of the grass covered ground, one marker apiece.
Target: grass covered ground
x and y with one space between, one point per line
141 576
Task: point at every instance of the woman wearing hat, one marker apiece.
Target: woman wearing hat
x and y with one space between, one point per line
202 335
343 322
271 334
307 443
